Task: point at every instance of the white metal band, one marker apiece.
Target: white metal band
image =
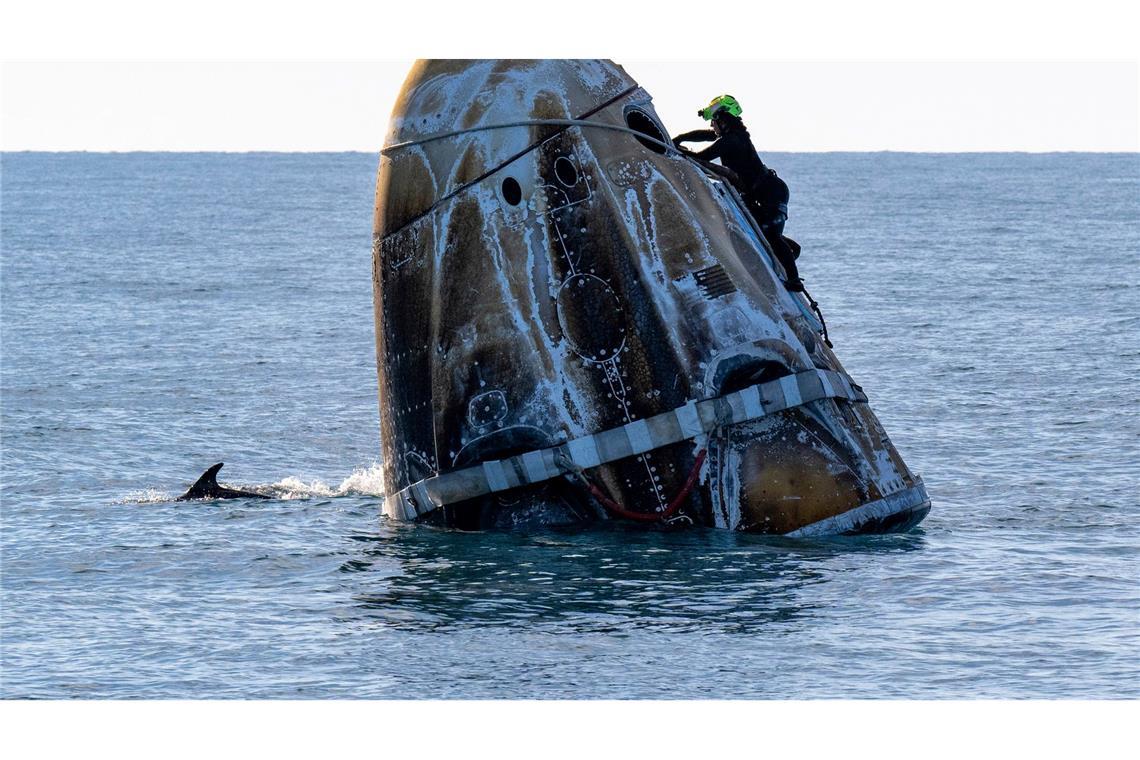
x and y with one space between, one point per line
684 423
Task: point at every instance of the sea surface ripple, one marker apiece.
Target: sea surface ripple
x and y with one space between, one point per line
162 312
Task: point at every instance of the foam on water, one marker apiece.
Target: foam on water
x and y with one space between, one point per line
146 496
366 481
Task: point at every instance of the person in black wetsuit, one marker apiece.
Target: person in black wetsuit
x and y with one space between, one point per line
765 194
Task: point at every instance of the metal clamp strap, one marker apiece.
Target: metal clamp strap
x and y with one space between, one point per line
689 421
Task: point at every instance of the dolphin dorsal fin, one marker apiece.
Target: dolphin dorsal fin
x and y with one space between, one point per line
205 486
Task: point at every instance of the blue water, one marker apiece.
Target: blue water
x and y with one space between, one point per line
162 312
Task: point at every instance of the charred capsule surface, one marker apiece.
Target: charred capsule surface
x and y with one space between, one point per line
560 293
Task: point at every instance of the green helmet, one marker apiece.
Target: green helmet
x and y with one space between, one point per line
722 103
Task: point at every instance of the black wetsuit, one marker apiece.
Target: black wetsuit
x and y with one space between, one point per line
765 193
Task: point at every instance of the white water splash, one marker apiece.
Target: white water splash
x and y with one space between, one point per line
367 481
146 496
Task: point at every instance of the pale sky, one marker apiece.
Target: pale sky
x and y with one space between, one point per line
897 106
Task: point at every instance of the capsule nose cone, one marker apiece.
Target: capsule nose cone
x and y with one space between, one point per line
441 95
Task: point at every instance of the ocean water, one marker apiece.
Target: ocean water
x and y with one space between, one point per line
162 312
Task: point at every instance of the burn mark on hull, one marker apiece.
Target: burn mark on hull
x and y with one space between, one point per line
604 312
403 272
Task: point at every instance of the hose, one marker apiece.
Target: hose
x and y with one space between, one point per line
670 509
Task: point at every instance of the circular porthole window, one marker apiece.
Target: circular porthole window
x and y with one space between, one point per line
565 171
640 121
512 192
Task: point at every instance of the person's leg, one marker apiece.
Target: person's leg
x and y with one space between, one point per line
776 221
787 260
770 220
774 233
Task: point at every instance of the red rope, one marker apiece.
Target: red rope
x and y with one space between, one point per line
669 510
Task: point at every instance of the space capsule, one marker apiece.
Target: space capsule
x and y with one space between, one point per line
576 322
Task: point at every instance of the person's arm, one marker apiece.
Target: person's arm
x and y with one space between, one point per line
724 173
711 152
697 135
